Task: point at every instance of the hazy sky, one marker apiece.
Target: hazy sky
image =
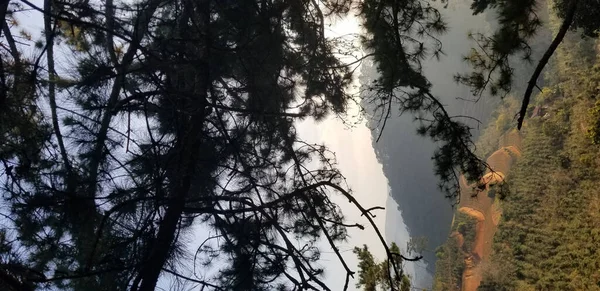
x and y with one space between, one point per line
358 163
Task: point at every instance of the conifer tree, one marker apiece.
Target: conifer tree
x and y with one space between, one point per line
176 113
373 275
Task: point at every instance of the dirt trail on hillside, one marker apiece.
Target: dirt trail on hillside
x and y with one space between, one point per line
476 203
478 246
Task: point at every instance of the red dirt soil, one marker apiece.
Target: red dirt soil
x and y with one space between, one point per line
478 205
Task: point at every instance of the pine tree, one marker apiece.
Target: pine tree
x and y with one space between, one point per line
373 275
178 113
369 269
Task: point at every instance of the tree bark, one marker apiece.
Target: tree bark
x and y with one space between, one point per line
3 9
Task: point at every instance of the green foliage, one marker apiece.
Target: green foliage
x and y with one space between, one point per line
503 120
492 286
547 95
466 226
519 36
499 273
416 245
450 265
593 133
373 275
168 115
547 238
548 234
368 269
586 16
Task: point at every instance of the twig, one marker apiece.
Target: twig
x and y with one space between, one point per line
387 115
368 211
204 283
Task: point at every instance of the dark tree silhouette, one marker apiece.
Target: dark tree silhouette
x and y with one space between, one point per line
159 116
172 113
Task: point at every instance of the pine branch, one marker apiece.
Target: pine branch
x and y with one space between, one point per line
3 10
110 26
78 21
49 31
141 23
319 219
11 281
373 224
12 44
203 283
187 156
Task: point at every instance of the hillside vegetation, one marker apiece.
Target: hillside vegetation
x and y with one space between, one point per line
548 237
462 259
450 263
549 234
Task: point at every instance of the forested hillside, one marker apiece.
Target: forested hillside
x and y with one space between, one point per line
467 251
548 234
